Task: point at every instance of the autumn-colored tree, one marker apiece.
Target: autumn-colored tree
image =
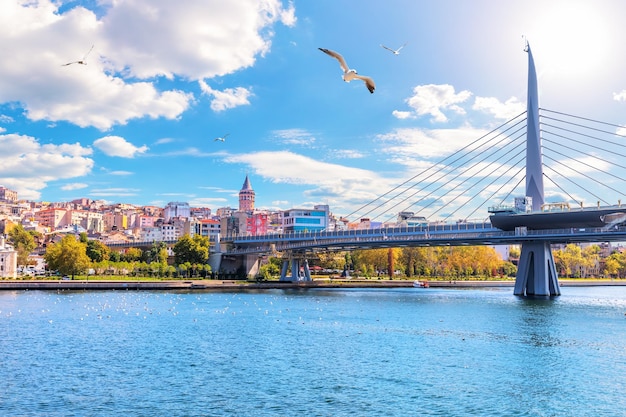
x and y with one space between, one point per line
69 256
23 242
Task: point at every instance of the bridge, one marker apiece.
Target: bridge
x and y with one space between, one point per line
464 185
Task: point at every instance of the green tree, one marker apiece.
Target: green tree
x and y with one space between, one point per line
23 242
192 250
69 256
270 269
97 251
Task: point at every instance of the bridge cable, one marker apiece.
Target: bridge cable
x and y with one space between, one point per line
433 166
443 175
589 165
444 184
580 173
584 118
468 178
560 188
486 187
581 142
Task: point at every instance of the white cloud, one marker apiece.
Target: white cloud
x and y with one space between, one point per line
340 186
403 114
118 146
295 137
27 167
74 186
434 99
226 99
621 96
346 154
427 143
506 111
114 192
135 43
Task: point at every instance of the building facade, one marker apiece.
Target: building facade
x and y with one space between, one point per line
305 220
8 260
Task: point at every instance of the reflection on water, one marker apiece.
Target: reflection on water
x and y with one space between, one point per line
365 352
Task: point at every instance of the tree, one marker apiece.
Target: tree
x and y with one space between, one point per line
132 254
23 242
97 251
192 250
69 256
157 253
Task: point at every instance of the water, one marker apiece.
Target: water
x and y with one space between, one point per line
316 352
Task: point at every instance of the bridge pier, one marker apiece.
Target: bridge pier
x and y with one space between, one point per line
215 261
296 263
536 272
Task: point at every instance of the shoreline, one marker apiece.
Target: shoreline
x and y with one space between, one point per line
230 285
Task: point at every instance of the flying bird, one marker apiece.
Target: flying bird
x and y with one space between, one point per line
82 61
396 51
222 139
350 74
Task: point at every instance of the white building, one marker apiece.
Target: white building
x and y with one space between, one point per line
8 260
305 220
176 209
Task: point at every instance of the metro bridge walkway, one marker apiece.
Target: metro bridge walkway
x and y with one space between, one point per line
464 234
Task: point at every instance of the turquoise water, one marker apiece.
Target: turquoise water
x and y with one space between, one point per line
339 352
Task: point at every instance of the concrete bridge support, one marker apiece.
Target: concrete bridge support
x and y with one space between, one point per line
536 272
296 276
215 261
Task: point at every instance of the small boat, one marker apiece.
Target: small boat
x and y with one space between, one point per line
420 284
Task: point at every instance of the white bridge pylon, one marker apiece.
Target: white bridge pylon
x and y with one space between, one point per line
536 271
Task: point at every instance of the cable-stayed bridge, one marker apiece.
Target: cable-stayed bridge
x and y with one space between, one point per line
466 198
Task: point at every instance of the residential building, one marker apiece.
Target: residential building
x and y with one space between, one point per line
52 217
257 223
176 209
209 228
8 196
8 260
305 220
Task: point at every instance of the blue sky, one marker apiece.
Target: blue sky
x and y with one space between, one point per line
137 123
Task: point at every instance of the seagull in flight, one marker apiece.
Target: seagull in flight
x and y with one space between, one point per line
350 74
221 139
396 51
82 61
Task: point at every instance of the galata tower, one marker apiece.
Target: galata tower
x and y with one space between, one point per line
246 196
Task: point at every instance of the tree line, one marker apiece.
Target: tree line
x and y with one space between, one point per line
75 255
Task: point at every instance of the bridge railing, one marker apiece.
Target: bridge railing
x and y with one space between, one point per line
423 237
432 228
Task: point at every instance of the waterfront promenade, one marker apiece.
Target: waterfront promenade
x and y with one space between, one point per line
230 285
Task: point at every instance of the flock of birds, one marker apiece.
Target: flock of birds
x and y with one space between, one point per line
348 75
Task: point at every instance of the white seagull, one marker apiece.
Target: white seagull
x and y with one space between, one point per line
350 74
222 139
396 51
82 61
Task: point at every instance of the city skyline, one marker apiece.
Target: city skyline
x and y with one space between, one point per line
137 122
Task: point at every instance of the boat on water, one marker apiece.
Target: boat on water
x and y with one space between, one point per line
420 284
559 216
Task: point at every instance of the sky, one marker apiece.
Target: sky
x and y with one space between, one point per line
137 124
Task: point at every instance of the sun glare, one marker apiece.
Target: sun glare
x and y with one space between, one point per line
571 38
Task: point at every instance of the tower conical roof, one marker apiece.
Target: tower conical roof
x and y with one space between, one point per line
246 185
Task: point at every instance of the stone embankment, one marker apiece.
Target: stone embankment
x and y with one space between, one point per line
246 285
